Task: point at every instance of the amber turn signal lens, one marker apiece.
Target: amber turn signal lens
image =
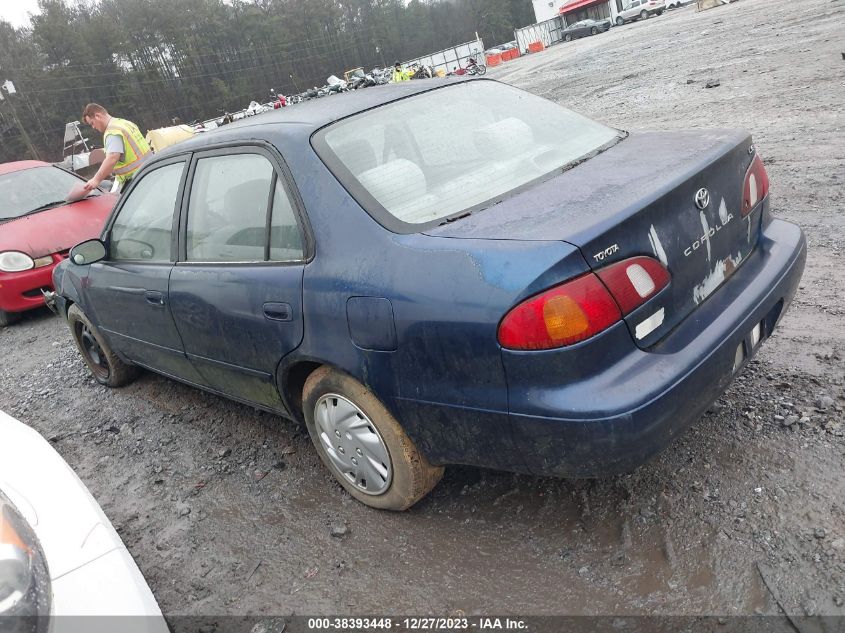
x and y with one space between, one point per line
564 319
9 536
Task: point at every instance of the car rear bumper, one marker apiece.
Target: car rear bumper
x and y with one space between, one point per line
22 291
617 418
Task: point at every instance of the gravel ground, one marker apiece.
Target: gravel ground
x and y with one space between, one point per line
228 511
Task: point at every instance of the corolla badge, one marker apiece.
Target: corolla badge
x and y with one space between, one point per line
702 198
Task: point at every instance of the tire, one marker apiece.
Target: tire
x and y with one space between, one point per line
481 69
593 31
105 366
660 12
405 475
643 14
620 20
7 318
567 38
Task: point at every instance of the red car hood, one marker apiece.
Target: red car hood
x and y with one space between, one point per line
57 229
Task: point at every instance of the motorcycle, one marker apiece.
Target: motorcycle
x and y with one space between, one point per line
277 99
474 68
421 71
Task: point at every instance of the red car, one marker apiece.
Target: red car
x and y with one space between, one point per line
37 228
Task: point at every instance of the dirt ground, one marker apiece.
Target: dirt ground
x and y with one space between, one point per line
228 511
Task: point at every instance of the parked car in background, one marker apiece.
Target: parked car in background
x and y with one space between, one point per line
675 4
456 272
585 28
59 554
640 10
38 227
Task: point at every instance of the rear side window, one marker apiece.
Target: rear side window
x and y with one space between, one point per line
143 227
285 236
230 211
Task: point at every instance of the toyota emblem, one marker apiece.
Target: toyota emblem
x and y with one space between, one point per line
702 198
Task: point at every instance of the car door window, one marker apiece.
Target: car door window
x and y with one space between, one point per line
285 235
227 212
143 226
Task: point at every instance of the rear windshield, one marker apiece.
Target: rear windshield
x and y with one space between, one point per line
443 153
32 189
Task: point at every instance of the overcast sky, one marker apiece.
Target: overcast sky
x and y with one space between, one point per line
16 11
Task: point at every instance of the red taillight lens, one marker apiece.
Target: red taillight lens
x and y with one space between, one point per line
564 315
583 307
756 186
634 281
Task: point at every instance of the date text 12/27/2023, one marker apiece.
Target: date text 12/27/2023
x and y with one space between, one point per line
435 624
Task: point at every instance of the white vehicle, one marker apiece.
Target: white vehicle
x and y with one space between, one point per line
59 554
640 10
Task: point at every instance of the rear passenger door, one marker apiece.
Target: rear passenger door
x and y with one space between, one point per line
236 289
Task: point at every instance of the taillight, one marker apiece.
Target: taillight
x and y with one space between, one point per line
583 307
634 281
564 315
756 185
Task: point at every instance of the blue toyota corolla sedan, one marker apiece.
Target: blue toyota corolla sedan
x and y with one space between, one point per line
451 272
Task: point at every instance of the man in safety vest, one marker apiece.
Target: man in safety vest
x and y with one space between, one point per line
125 147
399 73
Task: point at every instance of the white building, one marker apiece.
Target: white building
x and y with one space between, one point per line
576 10
547 9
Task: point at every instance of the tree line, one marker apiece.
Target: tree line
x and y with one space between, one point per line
153 60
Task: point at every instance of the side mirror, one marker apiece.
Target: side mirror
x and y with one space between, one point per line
88 252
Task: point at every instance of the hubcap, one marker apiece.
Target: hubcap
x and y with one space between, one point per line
353 444
94 353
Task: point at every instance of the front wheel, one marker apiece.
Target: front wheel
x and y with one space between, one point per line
104 364
7 318
363 445
644 15
620 21
481 69
593 31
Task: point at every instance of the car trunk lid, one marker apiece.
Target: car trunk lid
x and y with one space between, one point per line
675 196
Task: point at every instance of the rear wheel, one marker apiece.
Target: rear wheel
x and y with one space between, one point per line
567 38
363 445
106 367
7 318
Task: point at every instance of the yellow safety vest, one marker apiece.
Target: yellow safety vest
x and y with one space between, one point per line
135 147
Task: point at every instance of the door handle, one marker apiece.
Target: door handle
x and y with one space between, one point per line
154 298
277 311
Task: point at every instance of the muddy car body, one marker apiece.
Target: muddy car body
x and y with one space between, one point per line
519 292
